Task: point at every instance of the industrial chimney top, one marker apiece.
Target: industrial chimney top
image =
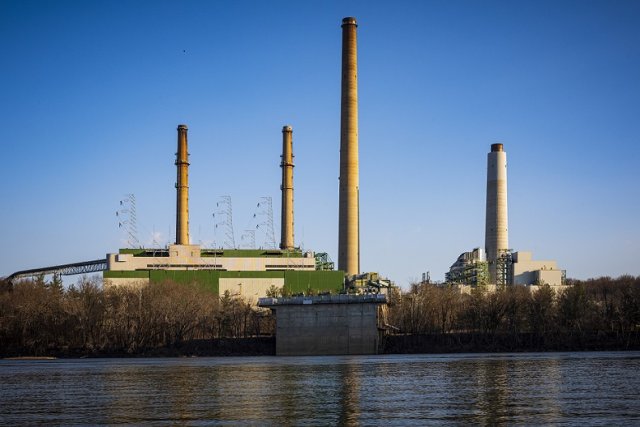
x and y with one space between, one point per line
349 21
182 127
496 147
287 128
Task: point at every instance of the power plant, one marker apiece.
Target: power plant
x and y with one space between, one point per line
315 314
250 273
497 265
253 273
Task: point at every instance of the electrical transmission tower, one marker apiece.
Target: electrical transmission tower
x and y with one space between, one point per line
127 220
249 239
225 216
264 215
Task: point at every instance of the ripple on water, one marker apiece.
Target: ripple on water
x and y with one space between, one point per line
537 388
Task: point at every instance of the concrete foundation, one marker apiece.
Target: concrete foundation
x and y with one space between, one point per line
327 325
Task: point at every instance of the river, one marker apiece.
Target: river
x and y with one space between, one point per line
591 388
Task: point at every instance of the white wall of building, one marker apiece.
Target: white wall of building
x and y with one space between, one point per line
128 282
183 257
249 288
526 271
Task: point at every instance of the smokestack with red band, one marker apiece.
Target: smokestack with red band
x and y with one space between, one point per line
496 231
286 238
349 233
182 188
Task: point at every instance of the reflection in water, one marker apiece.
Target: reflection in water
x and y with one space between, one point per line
548 400
287 392
350 393
493 392
553 388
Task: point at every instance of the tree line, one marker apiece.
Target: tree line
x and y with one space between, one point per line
602 313
40 317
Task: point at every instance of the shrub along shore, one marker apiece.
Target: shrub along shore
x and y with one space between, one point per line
43 318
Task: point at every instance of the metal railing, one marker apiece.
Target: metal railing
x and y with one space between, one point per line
324 299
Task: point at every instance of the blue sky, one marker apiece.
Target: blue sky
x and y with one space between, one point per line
92 93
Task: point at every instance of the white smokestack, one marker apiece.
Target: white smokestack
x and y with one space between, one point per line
497 230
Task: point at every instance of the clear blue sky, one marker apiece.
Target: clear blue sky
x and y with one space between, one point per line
92 92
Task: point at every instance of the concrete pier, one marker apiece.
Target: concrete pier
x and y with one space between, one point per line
327 325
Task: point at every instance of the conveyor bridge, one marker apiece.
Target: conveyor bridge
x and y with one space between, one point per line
84 267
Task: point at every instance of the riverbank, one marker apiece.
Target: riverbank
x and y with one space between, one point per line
391 344
221 347
38 318
504 343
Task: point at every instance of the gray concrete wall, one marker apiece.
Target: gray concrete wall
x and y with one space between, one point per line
326 329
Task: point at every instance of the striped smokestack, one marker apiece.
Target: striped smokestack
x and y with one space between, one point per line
286 238
349 233
496 231
182 188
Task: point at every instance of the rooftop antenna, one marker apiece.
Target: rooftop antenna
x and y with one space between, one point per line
265 212
223 218
128 221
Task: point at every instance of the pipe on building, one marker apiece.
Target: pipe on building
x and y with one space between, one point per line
286 237
348 224
182 188
496 229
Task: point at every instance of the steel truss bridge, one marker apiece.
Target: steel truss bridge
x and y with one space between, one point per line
85 267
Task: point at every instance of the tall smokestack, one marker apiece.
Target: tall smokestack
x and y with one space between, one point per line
286 238
496 231
182 187
349 233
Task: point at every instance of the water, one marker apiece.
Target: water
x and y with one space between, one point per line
533 388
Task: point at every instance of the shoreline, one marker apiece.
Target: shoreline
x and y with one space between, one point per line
391 344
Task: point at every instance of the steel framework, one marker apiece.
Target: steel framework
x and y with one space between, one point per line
85 267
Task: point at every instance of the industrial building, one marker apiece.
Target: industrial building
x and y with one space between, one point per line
323 324
252 272
470 268
527 271
497 265
249 273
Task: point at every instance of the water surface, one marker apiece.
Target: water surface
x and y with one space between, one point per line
530 388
